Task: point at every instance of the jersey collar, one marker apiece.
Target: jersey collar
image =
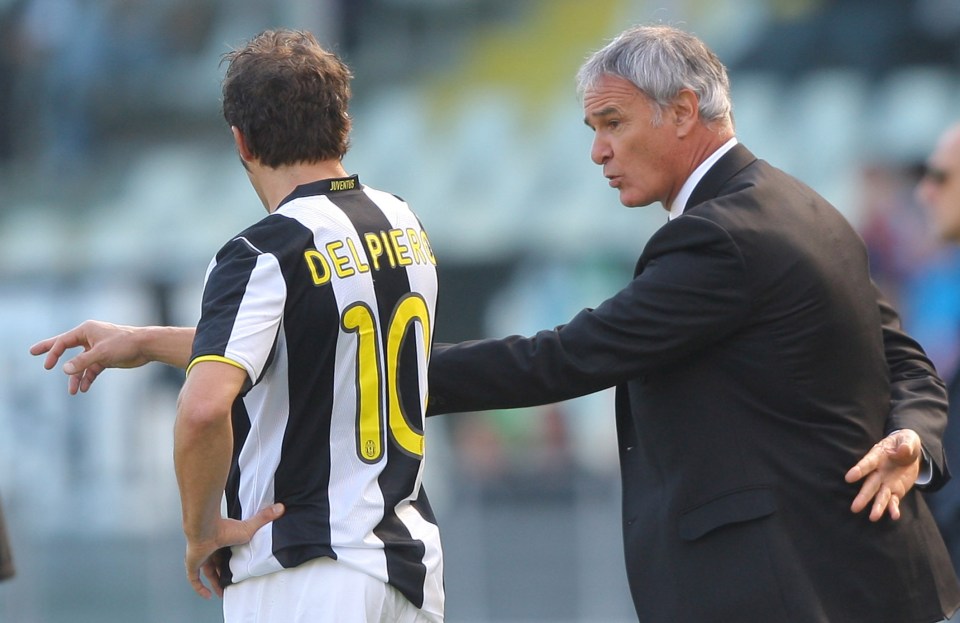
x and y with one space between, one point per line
323 187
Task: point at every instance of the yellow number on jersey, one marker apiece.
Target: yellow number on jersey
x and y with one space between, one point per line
359 319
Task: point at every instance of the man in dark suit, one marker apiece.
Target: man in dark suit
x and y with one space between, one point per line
748 354
939 192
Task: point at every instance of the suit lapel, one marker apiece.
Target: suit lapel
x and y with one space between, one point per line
731 163
719 174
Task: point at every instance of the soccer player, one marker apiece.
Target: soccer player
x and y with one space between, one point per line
306 390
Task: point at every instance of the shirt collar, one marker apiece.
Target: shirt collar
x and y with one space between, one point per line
680 203
329 186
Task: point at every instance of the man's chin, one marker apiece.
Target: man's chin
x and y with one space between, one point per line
633 202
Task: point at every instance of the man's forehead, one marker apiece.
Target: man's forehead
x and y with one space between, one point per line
609 94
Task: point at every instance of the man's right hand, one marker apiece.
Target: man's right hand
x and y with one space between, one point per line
105 345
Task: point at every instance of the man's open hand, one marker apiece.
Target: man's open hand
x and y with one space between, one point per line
889 470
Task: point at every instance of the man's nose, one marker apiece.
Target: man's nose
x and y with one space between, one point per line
600 151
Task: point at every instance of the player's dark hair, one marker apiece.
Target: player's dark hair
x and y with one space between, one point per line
288 96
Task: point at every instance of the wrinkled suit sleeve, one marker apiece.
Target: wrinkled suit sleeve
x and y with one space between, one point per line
690 291
918 397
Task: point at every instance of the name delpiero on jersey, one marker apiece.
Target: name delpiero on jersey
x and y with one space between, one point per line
380 250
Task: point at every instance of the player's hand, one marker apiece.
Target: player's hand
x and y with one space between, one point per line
889 470
105 345
205 555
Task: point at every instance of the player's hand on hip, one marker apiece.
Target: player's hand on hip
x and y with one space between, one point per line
888 471
105 345
204 556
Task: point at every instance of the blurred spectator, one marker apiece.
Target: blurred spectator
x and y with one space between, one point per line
64 45
939 192
908 215
72 70
894 229
909 260
9 16
873 35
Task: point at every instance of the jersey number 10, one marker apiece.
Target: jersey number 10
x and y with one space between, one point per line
372 414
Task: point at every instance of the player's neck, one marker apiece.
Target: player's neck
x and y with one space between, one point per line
275 185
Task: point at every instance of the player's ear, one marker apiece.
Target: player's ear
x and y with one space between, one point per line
241 142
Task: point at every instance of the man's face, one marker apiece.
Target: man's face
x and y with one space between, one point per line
939 189
638 157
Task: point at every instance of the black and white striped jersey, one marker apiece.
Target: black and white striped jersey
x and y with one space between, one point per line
328 304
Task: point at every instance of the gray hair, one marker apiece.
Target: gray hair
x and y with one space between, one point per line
661 61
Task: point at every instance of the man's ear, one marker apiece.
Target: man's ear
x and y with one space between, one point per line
686 112
241 142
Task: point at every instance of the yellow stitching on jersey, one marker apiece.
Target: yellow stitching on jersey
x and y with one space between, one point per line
214 358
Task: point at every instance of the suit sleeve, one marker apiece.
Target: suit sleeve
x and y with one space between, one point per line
690 291
918 397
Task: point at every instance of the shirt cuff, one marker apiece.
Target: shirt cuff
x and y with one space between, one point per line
926 469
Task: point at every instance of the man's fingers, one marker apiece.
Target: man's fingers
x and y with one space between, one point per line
54 353
193 568
89 375
894 507
73 384
890 468
81 381
855 473
84 361
198 586
230 532
42 346
212 572
865 466
262 518
193 576
880 504
867 492
54 347
270 513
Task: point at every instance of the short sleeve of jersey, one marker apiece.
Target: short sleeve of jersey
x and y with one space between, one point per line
243 301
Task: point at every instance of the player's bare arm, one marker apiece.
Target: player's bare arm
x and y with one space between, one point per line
106 345
888 470
203 443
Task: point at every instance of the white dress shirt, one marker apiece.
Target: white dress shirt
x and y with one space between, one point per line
680 203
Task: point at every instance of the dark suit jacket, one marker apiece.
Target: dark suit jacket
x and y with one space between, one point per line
749 358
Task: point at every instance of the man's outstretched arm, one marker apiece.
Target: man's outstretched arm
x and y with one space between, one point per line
107 345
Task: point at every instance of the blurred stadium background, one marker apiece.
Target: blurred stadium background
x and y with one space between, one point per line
118 182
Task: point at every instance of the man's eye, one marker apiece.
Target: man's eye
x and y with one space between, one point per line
613 124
